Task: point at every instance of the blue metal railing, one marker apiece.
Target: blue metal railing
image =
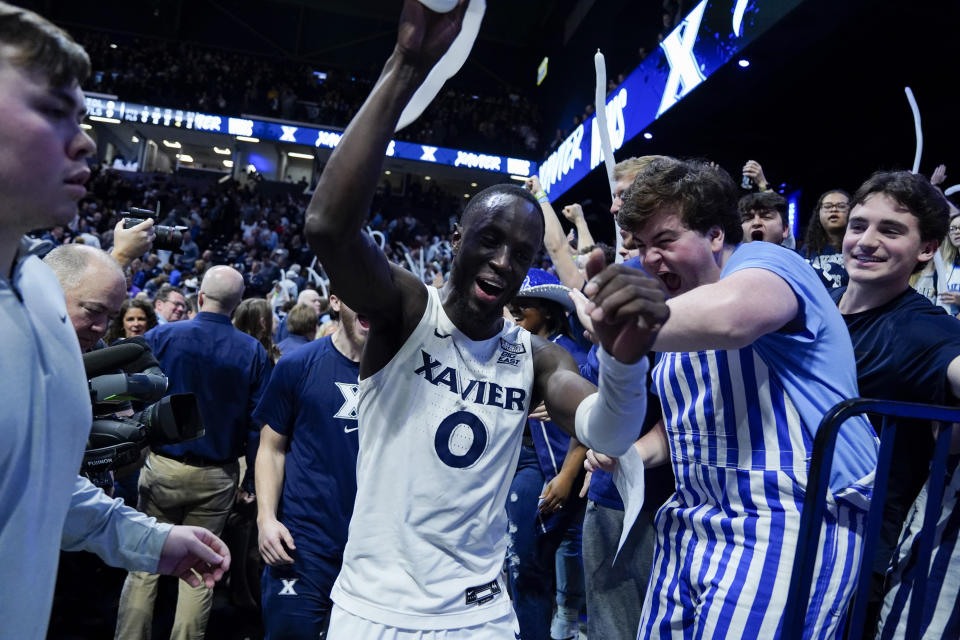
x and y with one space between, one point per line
812 516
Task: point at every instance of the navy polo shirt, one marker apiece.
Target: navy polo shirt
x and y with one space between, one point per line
312 399
225 368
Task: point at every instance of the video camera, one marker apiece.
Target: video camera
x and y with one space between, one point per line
165 238
116 441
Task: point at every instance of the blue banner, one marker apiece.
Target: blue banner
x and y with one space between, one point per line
711 34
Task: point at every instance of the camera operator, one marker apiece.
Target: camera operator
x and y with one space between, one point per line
44 504
93 286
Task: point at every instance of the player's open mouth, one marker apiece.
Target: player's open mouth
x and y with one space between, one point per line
670 280
756 234
363 322
488 289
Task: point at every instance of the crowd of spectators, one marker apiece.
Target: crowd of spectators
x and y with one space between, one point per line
188 76
255 228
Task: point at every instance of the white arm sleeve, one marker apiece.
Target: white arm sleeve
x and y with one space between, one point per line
611 420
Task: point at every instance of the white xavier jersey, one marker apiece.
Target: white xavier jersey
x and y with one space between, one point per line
440 430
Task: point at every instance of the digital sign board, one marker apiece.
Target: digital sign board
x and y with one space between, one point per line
712 33
309 136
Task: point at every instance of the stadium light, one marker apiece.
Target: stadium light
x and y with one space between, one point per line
107 120
228 164
743 62
86 126
647 135
224 151
172 145
134 139
304 156
183 157
247 139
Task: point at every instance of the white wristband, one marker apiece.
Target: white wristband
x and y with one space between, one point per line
611 420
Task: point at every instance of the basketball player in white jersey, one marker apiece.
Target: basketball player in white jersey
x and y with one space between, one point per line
446 384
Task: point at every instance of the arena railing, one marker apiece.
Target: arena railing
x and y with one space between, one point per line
812 516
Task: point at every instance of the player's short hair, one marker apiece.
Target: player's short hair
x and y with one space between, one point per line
476 202
301 320
703 195
914 193
33 43
764 201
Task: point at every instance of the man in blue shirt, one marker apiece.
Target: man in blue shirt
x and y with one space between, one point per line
301 325
306 475
44 504
754 353
196 482
908 350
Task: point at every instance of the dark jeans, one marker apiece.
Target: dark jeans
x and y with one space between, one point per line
615 592
531 555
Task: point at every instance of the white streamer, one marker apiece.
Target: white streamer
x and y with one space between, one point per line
600 102
378 236
949 191
449 63
917 127
738 12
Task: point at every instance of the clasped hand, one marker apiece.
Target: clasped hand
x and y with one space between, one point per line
624 308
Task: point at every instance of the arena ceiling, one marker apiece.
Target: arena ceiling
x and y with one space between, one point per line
821 105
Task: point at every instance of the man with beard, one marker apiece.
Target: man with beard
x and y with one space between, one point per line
306 476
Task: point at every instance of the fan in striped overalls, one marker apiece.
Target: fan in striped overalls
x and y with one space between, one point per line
755 354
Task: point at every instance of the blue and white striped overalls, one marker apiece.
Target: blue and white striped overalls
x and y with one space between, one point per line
727 537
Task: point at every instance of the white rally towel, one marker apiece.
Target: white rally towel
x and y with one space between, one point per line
452 60
628 478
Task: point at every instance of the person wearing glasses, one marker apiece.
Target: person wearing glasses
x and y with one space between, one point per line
947 262
169 304
825 237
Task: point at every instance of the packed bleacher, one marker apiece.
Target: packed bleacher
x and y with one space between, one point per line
189 76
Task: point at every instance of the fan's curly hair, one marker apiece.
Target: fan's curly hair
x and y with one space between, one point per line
703 194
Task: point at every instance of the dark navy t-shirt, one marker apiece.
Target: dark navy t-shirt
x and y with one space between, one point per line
312 399
290 343
903 349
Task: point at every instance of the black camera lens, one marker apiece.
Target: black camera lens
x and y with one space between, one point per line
165 238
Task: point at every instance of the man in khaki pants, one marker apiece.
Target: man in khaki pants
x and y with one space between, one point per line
196 482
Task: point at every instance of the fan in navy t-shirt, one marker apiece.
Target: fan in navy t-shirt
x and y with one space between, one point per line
907 350
309 443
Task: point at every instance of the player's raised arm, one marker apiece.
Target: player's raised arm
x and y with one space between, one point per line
359 271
